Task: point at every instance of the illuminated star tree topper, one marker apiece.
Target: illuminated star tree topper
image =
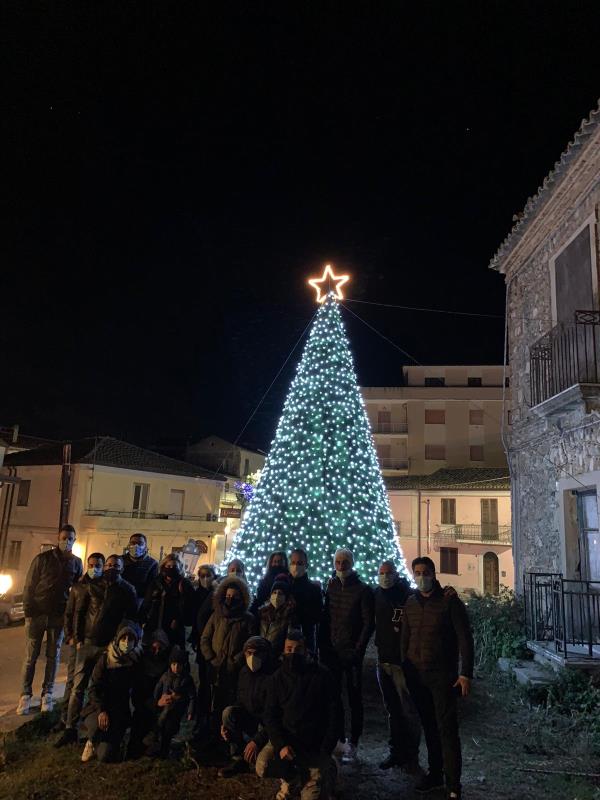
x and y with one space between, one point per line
321 487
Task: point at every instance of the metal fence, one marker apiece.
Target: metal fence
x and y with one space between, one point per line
486 533
567 355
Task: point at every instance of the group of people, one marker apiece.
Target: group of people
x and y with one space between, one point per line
273 670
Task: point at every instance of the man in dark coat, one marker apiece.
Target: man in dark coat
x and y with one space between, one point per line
169 601
308 597
348 623
140 569
435 633
404 726
47 585
302 720
101 609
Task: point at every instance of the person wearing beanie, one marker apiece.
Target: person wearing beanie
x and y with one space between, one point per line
277 564
154 662
174 697
276 615
106 716
242 723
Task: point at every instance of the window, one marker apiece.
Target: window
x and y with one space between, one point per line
435 452
449 560
448 511
384 417
384 451
14 555
489 518
435 416
23 496
176 502
140 500
474 382
475 416
435 381
507 382
509 417
476 452
246 468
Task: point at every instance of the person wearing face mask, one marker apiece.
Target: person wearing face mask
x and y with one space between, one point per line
276 615
222 642
207 581
348 623
106 715
169 601
100 610
404 726
308 597
153 664
174 698
242 724
436 634
237 569
47 585
139 568
95 568
277 564
301 718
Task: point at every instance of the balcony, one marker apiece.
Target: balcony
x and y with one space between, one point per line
562 618
102 519
389 428
486 534
392 464
565 365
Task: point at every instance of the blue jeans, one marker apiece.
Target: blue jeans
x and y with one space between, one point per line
35 629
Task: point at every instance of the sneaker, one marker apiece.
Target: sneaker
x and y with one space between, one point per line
284 791
429 783
454 795
88 751
24 705
390 761
47 704
69 736
349 755
237 766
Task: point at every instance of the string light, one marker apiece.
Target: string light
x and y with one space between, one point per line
321 487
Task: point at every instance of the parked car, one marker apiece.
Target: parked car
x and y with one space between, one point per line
11 609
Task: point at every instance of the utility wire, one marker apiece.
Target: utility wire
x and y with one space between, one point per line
442 310
404 353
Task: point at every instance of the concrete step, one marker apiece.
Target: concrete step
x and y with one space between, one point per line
534 675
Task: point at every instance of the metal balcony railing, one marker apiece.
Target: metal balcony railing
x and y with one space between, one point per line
390 427
393 463
564 612
137 514
565 356
486 533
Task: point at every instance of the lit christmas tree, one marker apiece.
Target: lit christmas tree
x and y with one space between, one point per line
321 487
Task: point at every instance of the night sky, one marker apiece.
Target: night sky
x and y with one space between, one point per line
175 172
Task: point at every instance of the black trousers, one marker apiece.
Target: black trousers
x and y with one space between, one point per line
436 702
349 677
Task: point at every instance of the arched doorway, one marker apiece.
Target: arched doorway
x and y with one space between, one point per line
491 574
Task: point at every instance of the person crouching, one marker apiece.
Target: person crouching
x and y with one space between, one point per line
175 696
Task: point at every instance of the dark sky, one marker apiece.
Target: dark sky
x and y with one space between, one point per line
175 172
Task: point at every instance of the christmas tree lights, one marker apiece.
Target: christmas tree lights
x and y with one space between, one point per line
321 487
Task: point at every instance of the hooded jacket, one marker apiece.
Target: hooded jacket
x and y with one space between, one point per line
349 617
224 634
114 676
166 603
102 608
181 685
389 610
75 595
140 572
274 623
49 579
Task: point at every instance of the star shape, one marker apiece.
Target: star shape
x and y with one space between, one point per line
323 285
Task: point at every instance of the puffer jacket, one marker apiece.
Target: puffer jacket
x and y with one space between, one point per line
168 606
139 572
274 624
49 579
309 608
75 595
349 618
435 632
252 693
389 611
181 685
224 635
102 608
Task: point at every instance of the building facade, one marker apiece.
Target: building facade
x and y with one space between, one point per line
440 417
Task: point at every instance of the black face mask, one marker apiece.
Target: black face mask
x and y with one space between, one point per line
172 574
232 602
294 662
112 575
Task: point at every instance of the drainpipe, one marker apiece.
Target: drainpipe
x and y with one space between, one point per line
427 517
65 487
419 523
6 513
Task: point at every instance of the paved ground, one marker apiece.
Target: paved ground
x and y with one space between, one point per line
12 648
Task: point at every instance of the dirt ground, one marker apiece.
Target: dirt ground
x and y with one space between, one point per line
509 750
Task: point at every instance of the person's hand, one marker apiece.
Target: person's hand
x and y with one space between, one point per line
190 717
79 645
464 684
103 721
173 624
224 733
449 591
71 641
164 700
287 753
250 752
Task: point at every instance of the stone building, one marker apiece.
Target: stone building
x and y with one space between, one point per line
550 264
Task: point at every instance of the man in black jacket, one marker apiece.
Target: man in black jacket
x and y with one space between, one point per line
405 730
348 623
243 723
139 569
47 585
308 598
102 608
435 632
302 720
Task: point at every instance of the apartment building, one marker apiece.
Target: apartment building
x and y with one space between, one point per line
439 417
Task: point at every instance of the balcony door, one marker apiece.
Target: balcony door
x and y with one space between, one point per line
489 518
176 500
573 278
140 500
589 535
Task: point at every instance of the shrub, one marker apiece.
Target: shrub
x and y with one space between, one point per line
498 627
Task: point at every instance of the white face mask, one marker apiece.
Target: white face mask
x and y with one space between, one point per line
387 581
206 582
126 646
94 572
277 600
254 662
342 573
65 545
424 583
297 570
236 573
